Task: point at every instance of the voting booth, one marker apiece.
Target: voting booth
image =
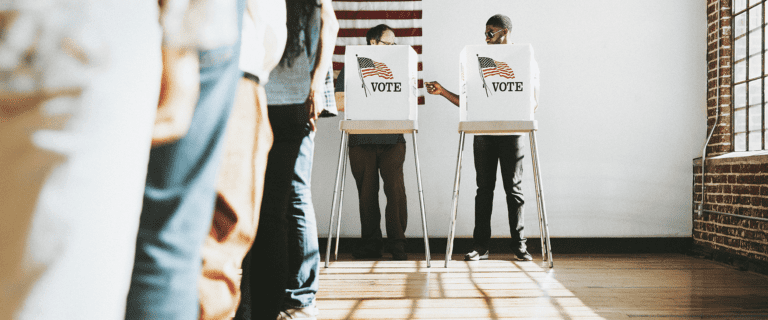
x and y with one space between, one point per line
497 82
381 83
497 96
380 97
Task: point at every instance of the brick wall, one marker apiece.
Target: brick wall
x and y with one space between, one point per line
735 183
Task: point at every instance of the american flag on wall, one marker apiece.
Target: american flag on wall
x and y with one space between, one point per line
357 16
492 67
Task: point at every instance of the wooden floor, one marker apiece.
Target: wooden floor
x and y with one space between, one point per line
646 286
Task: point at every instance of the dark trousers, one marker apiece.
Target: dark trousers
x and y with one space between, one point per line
366 162
265 267
506 151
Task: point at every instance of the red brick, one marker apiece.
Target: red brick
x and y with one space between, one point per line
745 179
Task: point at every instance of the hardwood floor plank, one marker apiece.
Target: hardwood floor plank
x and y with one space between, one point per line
644 286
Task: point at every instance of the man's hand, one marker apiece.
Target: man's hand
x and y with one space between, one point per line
339 101
434 88
315 101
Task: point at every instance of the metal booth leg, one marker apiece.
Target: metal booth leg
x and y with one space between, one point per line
454 208
540 198
538 204
341 196
336 187
421 198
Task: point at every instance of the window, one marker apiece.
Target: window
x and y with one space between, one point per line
749 75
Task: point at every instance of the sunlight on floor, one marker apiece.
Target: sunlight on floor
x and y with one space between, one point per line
490 289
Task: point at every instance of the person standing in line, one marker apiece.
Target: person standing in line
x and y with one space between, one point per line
371 155
79 90
280 271
180 189
490 151
241 178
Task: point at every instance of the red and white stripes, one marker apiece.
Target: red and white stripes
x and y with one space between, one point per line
357 16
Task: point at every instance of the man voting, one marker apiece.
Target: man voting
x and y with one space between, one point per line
371 155
497 79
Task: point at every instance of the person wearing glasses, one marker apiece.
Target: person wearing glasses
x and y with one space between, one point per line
369 156
489 150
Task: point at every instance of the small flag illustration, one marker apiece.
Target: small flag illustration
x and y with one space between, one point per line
492 67
368 68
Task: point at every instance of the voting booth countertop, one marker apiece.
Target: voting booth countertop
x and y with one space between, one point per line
497 82
381 83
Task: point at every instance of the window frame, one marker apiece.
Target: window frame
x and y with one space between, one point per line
748 79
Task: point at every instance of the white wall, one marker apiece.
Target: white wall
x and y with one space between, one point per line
620 118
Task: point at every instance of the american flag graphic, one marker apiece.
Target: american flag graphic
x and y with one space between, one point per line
357 16
492 67
372 68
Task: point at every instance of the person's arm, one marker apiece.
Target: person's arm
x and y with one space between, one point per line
340 101
339 86
179 91
329 27
435 88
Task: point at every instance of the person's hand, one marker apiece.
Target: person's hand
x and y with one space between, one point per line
314 103
434 88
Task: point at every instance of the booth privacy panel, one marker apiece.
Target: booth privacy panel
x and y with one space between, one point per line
381 83
497 82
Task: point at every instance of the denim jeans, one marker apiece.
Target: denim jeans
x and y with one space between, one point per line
280 270
506 151
179 199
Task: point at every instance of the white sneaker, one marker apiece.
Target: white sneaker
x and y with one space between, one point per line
306 313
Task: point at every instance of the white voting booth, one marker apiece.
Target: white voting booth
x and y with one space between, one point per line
381 97
498 87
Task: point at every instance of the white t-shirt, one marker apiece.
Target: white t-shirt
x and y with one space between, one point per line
263 39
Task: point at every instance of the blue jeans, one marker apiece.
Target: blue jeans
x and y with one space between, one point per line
280 270
179 198
490 152
303 248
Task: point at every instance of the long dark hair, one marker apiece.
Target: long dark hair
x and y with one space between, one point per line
299 14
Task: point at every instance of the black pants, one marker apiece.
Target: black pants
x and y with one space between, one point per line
366 162
506 151
265 267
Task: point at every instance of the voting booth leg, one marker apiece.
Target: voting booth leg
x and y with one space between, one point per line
455 202
540 200
333 210
421 199
341 195
538 203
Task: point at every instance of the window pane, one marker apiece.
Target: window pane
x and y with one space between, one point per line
754 140
751 2
740 97
755 118
755 41
740 120
755 92
740 71
741 49
740 142
755 65
755 17
739 5
740 24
